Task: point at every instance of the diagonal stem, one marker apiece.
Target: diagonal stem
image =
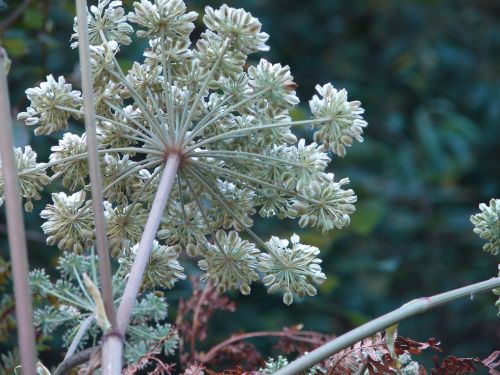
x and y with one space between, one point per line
82 330
142 257
406 311
147 133
155 125
15 227
167 87
147 138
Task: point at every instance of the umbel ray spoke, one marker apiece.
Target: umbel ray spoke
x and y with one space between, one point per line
201 92
224 205
240 156
236 175
206 121
203 212
84 155
245 131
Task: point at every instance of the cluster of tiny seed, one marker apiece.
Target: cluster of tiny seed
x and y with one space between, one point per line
230 121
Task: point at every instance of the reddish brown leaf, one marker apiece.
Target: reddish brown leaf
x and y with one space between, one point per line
383 366
241 354
452 365
405 345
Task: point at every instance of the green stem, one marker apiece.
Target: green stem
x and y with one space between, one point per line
186 121
242 132
141 104
196 129
139 193
228 173
82 287
152 136
224 204
252 157
406 311
203 213
200 126
84 155
167 87
154 103
71 300
184 112
120 76
116 123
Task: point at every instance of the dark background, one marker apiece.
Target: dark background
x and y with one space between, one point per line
428 75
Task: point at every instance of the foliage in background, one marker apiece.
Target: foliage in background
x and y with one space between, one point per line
426 72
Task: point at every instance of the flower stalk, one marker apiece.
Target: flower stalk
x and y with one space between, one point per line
417 306
16 233
145 245
111 359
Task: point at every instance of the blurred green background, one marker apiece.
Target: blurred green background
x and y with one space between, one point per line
428 75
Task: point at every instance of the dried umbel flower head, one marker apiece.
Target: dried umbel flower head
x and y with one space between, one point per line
487 225
228 123
344 123
292 270
163 268
69 222
31 178
230 263
52 104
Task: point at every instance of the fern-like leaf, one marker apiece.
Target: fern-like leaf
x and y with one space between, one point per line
9 361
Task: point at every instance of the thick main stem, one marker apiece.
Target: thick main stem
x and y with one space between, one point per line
15 228
145 245
408 310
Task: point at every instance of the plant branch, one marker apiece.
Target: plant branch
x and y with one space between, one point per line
196 315
142 257
75 360
223 203
82 156
140 103
84 326
15 228
406 311
207 121
186 121
246 131
94 168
